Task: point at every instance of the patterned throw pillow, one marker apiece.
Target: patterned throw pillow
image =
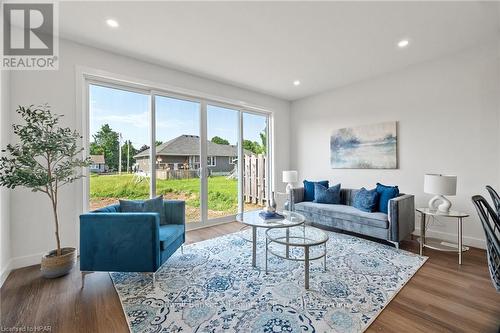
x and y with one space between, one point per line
309 189
325 195
366 200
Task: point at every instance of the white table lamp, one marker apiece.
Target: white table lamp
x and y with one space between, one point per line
290 177
440 185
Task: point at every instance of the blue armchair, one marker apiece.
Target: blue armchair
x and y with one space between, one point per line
113 241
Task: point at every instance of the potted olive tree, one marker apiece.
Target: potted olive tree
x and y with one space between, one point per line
46 158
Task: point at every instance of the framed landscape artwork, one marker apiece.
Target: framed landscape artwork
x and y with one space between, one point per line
365 147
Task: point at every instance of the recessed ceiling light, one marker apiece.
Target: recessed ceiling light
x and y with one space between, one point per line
112 23
403 43
296 83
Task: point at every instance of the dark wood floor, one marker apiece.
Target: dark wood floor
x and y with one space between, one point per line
441 297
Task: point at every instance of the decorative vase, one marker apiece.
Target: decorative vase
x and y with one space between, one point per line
54 266
271 204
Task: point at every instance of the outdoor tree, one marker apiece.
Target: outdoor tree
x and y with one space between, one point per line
46 157
219 140
95 149
263 139
106 142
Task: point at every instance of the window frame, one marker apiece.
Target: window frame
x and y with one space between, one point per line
86 76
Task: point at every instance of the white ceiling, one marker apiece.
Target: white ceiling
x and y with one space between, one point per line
266 46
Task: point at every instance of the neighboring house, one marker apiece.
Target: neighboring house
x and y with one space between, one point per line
98 165
183 152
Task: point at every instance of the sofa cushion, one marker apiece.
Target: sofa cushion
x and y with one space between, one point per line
169 233
386 193
330 195
366 200
309 189
343 212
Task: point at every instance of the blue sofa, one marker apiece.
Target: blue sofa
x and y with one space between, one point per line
113 241
392 227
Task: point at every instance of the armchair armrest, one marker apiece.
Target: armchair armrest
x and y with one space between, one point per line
401 217
120 242
175 211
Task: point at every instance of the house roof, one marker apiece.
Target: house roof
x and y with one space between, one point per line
189 145
97 159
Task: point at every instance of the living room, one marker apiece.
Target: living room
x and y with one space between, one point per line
250 166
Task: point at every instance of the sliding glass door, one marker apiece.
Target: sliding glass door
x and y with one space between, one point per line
255 161
177 153
222 161
119 129
145 143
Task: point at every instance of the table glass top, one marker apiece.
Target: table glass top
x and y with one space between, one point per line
435 212
253 218
301 235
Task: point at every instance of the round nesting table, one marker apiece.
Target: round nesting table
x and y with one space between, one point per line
301 236
254 220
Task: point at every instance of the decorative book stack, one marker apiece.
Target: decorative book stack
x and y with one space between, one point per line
270 215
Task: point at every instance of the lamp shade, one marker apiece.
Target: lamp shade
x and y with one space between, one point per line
440 184
290 176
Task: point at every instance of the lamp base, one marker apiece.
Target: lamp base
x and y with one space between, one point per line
289 194
443 207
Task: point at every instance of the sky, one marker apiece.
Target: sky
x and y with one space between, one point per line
128 113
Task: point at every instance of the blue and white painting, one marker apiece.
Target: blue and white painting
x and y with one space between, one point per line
365 147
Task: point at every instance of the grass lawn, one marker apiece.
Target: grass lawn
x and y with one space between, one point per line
222 192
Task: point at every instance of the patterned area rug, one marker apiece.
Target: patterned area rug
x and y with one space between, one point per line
213 288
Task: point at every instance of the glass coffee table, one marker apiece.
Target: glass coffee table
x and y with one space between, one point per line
254 220
306 237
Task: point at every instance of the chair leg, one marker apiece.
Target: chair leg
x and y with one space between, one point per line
154 279
83 278
182 249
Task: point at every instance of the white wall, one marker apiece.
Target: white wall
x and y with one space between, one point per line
448 113
5 129
31 227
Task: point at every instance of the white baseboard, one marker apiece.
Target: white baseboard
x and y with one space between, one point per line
470 241
5 272
31 259
19 262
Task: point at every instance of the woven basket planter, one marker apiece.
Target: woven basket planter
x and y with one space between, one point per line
55 266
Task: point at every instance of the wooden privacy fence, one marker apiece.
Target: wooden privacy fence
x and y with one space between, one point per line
255 179
176 174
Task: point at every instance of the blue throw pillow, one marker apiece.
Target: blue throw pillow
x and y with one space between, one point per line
366 200
131 206
309 189
325 195
154 205
386 193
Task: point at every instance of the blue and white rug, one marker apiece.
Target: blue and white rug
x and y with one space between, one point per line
212 287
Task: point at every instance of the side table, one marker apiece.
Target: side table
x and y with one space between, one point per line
436 244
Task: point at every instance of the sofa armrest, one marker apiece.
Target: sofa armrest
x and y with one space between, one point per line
297 196
120 242
175 211
401 217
